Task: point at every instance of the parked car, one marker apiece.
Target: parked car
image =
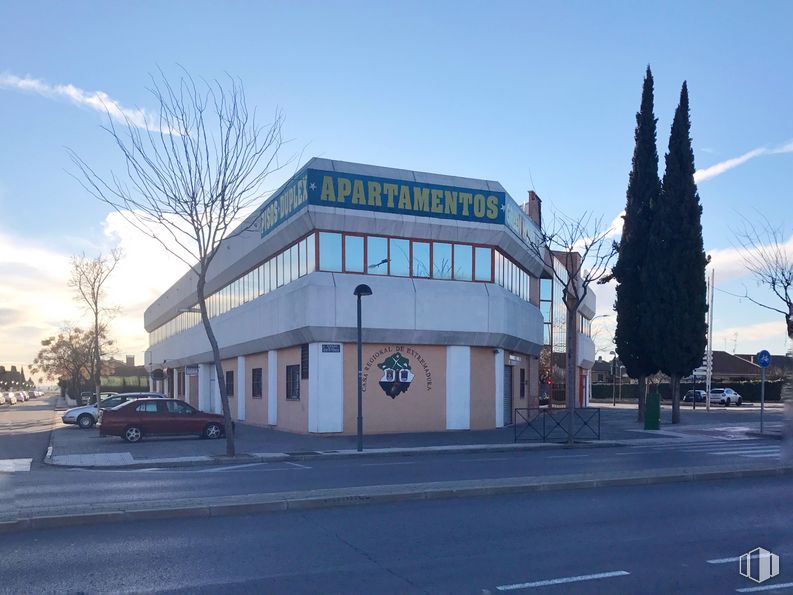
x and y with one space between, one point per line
31 394
725 396
133 421
694 396
22 396
11 398
87 415
3 399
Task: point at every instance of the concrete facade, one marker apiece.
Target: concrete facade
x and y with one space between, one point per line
435 349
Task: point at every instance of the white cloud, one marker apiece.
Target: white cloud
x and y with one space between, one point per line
715 170
35 300
96 100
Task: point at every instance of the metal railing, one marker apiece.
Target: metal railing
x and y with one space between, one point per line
552 425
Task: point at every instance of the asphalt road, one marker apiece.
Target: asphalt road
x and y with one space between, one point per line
54 488
25 428
675 538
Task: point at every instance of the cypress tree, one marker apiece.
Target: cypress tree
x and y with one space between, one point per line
675 266
644 188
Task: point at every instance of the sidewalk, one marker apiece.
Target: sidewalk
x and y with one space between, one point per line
73 447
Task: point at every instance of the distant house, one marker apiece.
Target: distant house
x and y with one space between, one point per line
126 375
781 363
602 372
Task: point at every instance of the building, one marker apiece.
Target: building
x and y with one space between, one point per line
452 332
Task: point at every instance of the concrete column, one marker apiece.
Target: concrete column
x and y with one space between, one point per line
241 387
499 356
325 388
204 382
151 384
188 384
272 387
458 387
165 386
215 404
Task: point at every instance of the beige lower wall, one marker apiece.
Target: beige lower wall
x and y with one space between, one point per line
292 414
483 388
255 409
420 408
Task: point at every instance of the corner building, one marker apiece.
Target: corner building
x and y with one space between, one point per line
451 334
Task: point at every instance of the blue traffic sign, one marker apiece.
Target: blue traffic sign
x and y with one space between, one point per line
764 359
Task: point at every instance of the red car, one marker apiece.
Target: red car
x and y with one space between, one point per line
134 419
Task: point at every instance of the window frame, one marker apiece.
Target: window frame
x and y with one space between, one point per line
292 383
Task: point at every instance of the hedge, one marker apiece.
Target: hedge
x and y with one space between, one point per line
749 391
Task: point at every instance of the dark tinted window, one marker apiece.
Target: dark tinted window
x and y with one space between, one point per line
147 407
178 407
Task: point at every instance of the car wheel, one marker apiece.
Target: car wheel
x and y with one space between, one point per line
85 421
133 434
213 431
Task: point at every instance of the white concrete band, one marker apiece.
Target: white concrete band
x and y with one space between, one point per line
241 388
204 397
458 387
499 403
325 388
272 387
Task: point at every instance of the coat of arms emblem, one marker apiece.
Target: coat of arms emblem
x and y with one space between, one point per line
397 375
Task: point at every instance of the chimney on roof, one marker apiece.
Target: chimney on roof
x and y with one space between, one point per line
533 208
130 360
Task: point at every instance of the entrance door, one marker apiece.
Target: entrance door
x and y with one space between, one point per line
507 395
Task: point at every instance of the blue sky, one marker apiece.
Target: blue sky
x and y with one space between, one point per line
533 94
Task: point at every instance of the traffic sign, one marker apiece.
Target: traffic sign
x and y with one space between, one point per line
764 359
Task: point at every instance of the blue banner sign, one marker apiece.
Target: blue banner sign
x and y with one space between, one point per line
353 191
279 207
384 195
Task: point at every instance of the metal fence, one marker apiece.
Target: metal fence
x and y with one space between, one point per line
552 425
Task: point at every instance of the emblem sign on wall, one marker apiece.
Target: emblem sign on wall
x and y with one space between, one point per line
397 368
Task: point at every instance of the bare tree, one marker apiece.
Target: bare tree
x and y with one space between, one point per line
191 176
585 251
771 262
88 279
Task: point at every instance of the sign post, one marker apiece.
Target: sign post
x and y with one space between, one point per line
763 360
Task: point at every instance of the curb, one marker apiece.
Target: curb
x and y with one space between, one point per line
243 458
314 499
770 435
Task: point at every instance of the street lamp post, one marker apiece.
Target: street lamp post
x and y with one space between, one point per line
613 373
360 291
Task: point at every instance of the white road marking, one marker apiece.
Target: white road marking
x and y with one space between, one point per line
723 560
383 464
15 465
561 581
567 456
765 588
298 465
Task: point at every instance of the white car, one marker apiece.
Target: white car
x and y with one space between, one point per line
724 396
22 396
87 415
11 398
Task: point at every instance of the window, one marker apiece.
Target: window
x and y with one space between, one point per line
279 261
421 259
377 256
293 257
311 254
399 253
482 261
353 254
302 258
147 407
463 262
522 383
272 265
229 383
304 361
293 382
178 408
330 251
441 260
256 383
